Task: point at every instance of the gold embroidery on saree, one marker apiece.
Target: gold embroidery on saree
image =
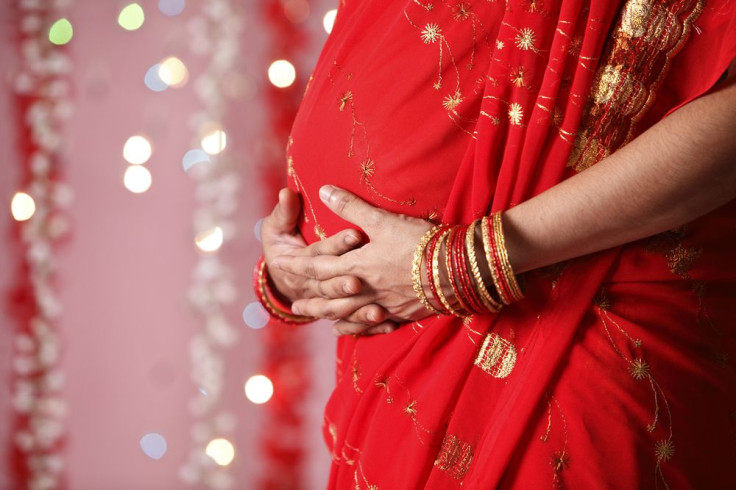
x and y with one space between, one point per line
648 35
497 356
454 457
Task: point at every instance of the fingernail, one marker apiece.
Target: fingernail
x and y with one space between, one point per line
387 329
295 310
372 316
347 288
325 192
351 239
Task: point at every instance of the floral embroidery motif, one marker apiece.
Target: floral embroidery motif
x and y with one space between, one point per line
431 33
525 39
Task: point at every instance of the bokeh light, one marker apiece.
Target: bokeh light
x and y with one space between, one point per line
193 157
153 80
328 21
214 141
171 8
153 445
22 206
221 451
210 240
258 389
255 316
281 73
296 10
137 150
257 229
137 179
173 72
131 17
61 32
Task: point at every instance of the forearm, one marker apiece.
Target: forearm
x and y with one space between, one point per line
680 169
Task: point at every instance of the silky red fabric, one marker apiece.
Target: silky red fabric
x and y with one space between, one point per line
616 370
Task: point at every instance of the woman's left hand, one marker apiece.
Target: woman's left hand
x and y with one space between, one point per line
383 265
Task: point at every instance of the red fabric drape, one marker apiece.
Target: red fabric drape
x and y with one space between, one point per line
614 370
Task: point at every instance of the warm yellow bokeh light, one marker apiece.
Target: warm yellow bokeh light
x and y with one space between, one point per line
214 141
329 20
61 32
131 17
258 389
221 451
137 150
281 73
173 72
137 179
210 240
22 206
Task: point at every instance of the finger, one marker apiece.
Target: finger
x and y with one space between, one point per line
343 327
337 244
350 207
338 287
286 213
371 314
329 309
322 267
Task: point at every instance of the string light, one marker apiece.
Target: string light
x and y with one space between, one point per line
137 150
22 207
328 21
210 240
258 389
131 17
281 73
193 157
221 451
137 179
172 8
61 32
154 445
255 316
214 141
173 72
153 80
296 10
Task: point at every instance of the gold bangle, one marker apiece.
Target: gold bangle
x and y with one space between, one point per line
265 296
485 296
504 258
436 275
489 259
416 269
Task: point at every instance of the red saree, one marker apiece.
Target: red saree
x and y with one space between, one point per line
616 370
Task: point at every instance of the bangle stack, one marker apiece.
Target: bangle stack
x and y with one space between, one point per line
449 252
268 299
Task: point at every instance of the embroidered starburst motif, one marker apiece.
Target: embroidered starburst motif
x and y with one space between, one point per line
437 85
518 76
411 408
516 114
575 46
452 101
345 98
664 450
461 11
559 460
290 166
431 33
639 369
525 39
499 44
367 169
557 117
320 232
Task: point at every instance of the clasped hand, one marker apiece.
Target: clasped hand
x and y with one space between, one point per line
364 285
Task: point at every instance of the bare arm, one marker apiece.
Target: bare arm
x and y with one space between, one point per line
680 169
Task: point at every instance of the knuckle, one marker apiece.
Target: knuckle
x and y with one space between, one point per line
310 271
344 202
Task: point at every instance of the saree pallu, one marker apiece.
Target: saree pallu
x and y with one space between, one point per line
616 371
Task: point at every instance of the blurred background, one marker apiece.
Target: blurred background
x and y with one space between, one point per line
140 145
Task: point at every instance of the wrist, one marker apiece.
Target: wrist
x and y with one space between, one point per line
277 308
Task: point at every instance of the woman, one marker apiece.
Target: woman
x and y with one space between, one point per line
616 368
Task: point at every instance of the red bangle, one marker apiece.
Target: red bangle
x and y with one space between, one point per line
466 284
429 253
270 302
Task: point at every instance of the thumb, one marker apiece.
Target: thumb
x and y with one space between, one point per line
286 212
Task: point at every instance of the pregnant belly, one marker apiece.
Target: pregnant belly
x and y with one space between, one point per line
389 112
